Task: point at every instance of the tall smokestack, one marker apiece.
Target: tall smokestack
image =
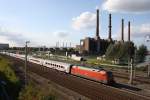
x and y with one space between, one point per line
58 44
110 26
66 44
122 30
63 45
97 25
129 31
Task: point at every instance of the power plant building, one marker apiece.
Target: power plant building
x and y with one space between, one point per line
96 45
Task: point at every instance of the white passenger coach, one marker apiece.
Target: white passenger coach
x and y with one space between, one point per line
61 66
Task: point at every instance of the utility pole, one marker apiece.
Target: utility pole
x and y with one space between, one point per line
135 63
148 66
26 54
148 70
130 49
131 72
129 65
43 54
49 54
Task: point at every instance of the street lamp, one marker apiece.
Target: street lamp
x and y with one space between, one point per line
148 66
26 54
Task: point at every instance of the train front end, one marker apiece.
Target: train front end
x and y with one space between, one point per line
110 78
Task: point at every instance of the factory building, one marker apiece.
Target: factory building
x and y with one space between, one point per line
97 45
4 46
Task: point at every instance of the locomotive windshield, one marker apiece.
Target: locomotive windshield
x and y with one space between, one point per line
110 74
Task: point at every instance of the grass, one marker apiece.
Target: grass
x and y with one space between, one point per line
93 62
33 92
9 77
13 85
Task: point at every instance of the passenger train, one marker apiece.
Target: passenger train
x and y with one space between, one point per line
99 75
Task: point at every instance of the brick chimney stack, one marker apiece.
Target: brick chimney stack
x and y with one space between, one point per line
122 30
129 31
110 26
97 25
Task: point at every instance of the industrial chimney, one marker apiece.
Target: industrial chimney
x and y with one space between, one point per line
97 38
129 31
97 25
122 30
109 26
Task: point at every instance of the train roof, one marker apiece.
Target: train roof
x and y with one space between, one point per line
91 69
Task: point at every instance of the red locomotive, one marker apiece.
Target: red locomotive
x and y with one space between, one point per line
100 75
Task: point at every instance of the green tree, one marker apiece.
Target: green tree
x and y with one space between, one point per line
120 51
109 52
141 53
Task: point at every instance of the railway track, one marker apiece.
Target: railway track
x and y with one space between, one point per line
140 79
123 75
90 89
116 74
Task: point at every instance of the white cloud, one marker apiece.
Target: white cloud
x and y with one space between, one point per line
18 39
140 30
61 34
13 38
145 28
137 31
132 6
84 21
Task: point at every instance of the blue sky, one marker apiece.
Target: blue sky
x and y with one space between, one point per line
44 22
